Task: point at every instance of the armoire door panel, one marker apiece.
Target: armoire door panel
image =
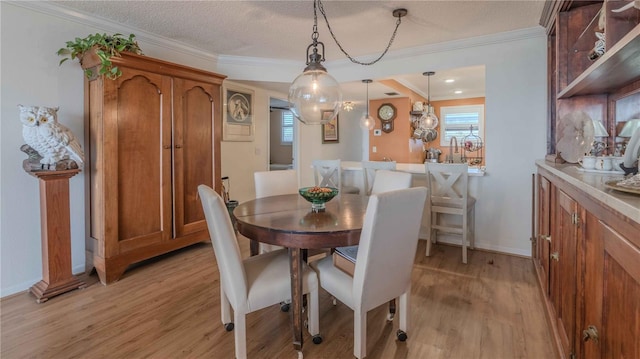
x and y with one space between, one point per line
143 166
193 151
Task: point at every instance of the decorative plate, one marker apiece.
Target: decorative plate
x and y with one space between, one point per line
575 131
614 185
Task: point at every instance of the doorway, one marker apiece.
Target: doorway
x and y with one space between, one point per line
282 139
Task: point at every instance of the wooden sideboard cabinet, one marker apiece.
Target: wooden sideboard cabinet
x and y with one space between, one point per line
587 259
153 135
607 88
588 238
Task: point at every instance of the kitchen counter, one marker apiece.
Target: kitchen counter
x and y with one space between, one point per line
592 184
415 168
352 176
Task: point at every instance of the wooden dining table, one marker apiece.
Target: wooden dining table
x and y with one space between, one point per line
288 221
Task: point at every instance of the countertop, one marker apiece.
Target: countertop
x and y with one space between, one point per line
417 168
593 183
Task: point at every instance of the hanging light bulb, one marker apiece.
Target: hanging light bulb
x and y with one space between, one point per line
347 106
429 120
366 121
315 91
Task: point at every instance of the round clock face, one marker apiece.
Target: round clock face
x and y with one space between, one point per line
387 112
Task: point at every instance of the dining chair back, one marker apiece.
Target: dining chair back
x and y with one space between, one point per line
449 195
390 181
386 253
254 283
369 169
328 173
385 181
274 183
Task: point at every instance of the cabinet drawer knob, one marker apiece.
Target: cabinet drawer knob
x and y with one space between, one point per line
167 147
591 333
178 146
555 256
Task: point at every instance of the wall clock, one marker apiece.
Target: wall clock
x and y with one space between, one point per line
387 113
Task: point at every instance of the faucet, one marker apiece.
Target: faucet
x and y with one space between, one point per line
450 155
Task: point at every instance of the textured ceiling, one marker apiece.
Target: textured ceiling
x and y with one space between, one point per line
282 29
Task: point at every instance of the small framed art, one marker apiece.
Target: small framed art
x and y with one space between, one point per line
237 114
330 130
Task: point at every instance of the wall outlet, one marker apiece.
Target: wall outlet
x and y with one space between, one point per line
377 132
374 149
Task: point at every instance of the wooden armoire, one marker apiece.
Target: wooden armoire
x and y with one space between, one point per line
152 136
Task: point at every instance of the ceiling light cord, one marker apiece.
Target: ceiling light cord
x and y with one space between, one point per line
399 13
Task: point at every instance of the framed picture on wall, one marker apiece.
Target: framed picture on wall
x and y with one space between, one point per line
237 114
330 130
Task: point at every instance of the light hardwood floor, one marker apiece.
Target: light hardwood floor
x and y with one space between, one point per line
169 308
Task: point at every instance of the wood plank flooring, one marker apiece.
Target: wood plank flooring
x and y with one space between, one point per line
169 308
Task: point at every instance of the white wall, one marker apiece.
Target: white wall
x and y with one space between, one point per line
515 109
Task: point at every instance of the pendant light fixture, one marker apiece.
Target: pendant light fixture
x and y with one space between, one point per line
347 106
366 121
314 92
429 120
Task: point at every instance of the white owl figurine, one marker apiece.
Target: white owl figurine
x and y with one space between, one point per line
53 141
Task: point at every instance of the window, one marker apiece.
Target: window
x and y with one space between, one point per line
456 120
286 134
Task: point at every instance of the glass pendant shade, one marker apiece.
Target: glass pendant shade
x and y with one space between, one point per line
312 93
429 119
367 122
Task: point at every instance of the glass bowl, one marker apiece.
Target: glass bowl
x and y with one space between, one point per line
318 196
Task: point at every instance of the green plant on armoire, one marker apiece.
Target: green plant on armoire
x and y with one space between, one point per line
97 50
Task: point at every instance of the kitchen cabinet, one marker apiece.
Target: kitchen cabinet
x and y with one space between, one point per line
153 135
593 296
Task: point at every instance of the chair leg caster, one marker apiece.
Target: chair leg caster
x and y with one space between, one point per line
317 339
284 307
402 336
228 327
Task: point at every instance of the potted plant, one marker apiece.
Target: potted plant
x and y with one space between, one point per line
97 50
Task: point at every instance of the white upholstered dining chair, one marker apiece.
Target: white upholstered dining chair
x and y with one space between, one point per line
385 259
274 183
328 173
449 195
369 169
254 283
385 181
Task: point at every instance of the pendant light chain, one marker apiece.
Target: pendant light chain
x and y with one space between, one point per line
355 61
